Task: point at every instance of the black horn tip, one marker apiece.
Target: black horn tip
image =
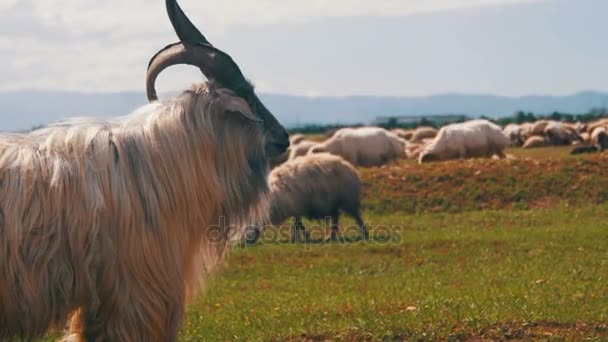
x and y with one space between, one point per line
184 28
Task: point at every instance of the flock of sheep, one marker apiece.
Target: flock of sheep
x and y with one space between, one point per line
316 179
588 137
374 146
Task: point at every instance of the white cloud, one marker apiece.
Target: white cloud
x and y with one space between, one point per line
144 15
274 11
6 4
104 45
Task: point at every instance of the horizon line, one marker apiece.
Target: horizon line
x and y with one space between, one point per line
270 93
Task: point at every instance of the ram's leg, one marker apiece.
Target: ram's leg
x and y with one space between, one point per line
362 229
462 153
300 226
334 226
295 232
297 227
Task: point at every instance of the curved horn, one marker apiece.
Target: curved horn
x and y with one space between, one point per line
195 50
213 63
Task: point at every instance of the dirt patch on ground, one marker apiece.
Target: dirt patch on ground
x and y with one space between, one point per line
482 184
539 331
546 331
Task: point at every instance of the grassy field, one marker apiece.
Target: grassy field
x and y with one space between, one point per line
514 249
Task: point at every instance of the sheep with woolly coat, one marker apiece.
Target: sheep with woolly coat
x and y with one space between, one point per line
514 132
476 138
538 127
559 133
406 134
365 146
301 149
315 186
296 139
536 141
422 133
591 126
599 138
596 142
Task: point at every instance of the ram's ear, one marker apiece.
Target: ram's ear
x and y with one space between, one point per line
238 105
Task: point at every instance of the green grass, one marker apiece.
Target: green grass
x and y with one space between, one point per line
437 276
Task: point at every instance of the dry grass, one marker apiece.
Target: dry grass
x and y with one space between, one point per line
532 179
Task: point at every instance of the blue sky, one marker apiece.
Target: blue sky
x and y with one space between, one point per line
316 47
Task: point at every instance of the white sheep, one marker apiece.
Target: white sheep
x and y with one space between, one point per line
296 138
597 141
406 134
424 132
559 133
476 138
597 123
365 146
538 127
301 148
536 141
514 132
599 138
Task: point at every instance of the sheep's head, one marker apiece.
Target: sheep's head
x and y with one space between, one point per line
318 149
427 158
194 49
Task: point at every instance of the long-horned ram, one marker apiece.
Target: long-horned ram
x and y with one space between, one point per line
109 226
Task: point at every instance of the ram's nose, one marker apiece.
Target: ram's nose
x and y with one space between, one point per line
278 143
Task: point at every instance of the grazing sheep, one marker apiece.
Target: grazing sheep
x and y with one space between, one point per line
476 138
526 130
538 128
586 137
301 149
579 127
110 225
599 138
422 133
315 186
296 139
561 134
597 123
405 134
299 146
536 141
514 133
366 146
413 150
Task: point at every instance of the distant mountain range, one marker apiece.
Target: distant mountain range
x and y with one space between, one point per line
21 110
